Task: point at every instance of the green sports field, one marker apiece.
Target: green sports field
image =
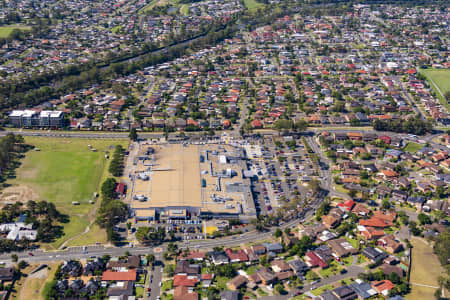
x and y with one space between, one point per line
65 171
252 4
413 147
6 30
441 78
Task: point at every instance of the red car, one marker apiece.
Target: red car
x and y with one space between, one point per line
30 254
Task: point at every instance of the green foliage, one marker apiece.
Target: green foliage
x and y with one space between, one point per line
386 204
323 209
111 211
301 247
226 270
116 165
10 148
133 134
413 125
424 219
442 247
277 233
147 235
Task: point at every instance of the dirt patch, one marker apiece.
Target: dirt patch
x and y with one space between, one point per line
20 193
39 274
28 173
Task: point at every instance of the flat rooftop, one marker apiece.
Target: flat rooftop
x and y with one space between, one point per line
179 185
185 177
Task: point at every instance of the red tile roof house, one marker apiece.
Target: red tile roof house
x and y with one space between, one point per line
256 124
389 244
183 293
129 275
383 286
312 260
184 280
375 222
347 205
370 232
387 216
120 188
236 256
386 139
195 255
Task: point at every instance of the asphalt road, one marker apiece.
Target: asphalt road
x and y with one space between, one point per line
39 256
325 174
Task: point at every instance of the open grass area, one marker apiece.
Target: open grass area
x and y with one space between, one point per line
184 9
261 292
139 292
252 270
116 29
33 284
6 30
413 147
322 289
333 268
352 242
65 171
425 270
440 82
167 285
252 4
222 282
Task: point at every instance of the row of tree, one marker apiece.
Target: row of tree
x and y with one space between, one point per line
413 125
111 210
11 149
116 165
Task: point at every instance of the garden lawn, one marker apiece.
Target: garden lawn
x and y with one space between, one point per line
441 78
251 270
413 147
65 171
167 285
333 269
261 292
322 289
32 289
184 9
6 30
425 270
222 282
352 242
252 4
139 292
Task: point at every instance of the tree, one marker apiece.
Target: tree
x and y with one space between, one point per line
133 134
386 204
22 265
424 219
14 257
447 96
442 247
142 234
314 185
323 209
301 125
109 188
282 124
279 289
277 233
